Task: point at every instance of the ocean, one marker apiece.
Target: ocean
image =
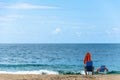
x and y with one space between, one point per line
57 58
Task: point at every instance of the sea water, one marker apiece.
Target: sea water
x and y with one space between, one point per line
57 58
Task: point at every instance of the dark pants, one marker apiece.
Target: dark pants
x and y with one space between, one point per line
89 69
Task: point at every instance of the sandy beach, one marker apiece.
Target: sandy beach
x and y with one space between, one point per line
57 77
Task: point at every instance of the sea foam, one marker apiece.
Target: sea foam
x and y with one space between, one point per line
30 72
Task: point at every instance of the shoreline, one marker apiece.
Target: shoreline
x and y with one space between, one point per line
58 77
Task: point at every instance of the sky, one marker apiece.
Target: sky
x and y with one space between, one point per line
59 21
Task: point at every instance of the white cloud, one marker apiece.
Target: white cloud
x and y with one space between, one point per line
29 6
57 30
5 18
10 17
78 34
16 16
114 31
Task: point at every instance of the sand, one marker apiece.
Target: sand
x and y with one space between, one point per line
57 77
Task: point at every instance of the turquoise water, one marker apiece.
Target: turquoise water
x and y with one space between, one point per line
57 58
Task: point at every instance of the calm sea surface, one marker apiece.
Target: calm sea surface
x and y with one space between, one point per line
57 58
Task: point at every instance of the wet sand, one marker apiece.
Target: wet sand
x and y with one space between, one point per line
57 77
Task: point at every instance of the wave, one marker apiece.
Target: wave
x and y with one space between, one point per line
43 69
30 72
114 72
69 72
48 72
12 65
42 72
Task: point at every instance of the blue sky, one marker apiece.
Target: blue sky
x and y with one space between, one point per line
59 21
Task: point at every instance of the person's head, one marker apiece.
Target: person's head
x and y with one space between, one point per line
88 55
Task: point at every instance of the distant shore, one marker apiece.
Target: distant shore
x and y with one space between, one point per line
58 77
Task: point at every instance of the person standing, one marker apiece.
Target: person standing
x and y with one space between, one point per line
88 64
